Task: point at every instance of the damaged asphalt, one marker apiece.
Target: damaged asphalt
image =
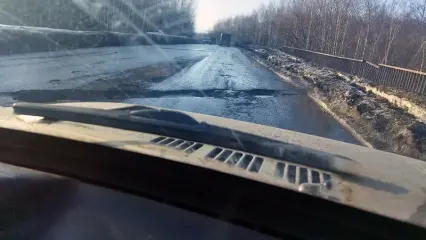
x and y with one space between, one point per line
197 78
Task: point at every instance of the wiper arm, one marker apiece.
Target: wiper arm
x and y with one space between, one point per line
179 125
164 115
137 118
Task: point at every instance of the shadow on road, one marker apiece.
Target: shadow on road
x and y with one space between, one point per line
115 87
118 94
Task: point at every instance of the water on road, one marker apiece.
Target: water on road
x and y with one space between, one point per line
207 79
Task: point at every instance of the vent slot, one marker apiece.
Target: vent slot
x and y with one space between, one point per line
235 158
224 155
166 141
299 175
193 148
241 160
291 173
178 144
315 177
303 175
157 140
256 165
175 143
184 145
279 170
327 177
214 153
245 162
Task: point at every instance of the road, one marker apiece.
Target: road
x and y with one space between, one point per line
197 78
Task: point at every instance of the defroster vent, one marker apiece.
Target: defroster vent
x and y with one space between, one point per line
178 144
299 175
241 160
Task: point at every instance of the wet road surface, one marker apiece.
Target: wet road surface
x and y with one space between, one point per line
200 78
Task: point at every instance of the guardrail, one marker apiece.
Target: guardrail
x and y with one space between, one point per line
396 77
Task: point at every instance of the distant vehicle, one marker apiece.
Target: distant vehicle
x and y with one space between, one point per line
206 42
225 39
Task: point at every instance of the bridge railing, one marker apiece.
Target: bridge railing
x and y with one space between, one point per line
396 77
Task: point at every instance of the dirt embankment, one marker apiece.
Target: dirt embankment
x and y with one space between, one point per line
382 123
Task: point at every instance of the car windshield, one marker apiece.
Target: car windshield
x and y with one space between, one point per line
346 70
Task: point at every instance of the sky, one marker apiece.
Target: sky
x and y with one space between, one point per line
208 12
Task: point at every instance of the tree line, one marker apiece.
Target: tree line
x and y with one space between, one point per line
128 16
382 31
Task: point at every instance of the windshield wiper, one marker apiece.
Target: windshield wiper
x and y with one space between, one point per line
180 125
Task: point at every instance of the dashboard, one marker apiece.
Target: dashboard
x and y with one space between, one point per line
56 188
46 206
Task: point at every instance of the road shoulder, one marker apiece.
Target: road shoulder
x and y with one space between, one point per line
370 118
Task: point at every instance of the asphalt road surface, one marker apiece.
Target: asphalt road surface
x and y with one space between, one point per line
205 79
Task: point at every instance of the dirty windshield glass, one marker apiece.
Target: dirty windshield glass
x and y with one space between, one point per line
351 71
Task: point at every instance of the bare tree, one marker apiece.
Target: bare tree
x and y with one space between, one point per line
383 31
171 16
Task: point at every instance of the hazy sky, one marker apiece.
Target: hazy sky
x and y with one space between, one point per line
210 11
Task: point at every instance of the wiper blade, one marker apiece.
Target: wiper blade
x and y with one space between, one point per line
136 118
179 125
163 115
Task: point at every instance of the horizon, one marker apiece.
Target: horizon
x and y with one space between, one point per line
209 12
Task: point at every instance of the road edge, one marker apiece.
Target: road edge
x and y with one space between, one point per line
322 105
